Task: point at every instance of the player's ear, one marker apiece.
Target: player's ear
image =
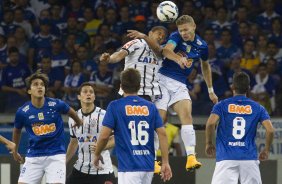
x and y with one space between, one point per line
78 97
29 92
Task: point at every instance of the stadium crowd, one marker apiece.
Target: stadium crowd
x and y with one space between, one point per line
65 38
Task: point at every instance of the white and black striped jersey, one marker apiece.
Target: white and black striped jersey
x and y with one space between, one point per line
141 57
86 135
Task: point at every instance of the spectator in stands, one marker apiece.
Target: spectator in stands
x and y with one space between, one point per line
88 65
264 88
264 19
273 51
100 13
194 81
249 60
261 46
40 44
92 24
153 20
276 31
140 23
137 7
56 77
3 51
72 83
242 35
227 48
19 21
111 16
240 15
22 40
56 13
125 23
221 21
70 45
105 31
29 13
274 72
209 37
97 45
7 24
103 80
209 15
75 9
13 81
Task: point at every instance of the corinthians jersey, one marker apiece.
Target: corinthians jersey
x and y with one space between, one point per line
141 57
87 135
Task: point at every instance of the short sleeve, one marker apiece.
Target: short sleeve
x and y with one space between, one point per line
216 109
174 39
131 46
62 106
158 120
19 120
109 119
72 132
204 53
263 115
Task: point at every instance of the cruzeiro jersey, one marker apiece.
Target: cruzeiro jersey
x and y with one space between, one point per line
141 57
133 120
44 126
86 135
194 51
237 127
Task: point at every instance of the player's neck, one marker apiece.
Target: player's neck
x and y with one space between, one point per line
37 102
87 108
129 94
236 94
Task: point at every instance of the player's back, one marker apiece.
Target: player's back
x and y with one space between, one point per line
236 131
134 121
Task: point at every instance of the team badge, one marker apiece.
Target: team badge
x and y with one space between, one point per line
188 48
40 116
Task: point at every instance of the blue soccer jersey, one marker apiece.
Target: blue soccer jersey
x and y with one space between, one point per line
44 126
133 120
237 127
194 51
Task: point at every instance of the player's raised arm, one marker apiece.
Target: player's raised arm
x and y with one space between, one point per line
77 120
170 54
115 57
206 71
210 129
268 140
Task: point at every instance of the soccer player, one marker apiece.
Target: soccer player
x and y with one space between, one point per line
42 120
134 121
183 49
9 144
236 152
84 138
140 56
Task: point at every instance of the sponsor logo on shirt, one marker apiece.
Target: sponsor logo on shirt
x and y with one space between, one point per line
239 109
40 116
31 117
43 129
51 104
136 110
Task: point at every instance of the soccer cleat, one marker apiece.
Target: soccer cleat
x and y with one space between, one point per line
157 167
192 163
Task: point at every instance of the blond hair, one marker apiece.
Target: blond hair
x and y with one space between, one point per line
184 19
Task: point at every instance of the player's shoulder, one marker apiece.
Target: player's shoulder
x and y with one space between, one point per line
51 102
25 108
174 34
200 42
99 110
134 42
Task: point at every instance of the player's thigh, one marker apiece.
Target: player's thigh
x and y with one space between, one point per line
32 170
183 108
226 171
249 172
56 169
77 177
162 101
135 177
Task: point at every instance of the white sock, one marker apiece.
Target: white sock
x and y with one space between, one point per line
189 138
156 143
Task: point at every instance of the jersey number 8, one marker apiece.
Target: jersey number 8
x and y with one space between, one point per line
239 125
142 136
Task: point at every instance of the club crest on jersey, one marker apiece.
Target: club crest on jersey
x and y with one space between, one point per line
239 109
40 116
136 110
188 48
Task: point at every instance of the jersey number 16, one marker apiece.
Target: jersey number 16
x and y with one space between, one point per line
141 136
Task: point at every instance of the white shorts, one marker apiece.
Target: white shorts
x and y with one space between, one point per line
172 92
140 177
230 171
54 168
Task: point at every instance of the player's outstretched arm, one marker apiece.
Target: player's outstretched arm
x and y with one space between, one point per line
168 52
268 140
114 58
210 129
77 120
101 144
72 147
152 44
16 139
9 144
206 71
166 173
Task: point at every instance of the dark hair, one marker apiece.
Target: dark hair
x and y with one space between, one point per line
241 82
13 49
85 84
37 75
155 28
130 80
